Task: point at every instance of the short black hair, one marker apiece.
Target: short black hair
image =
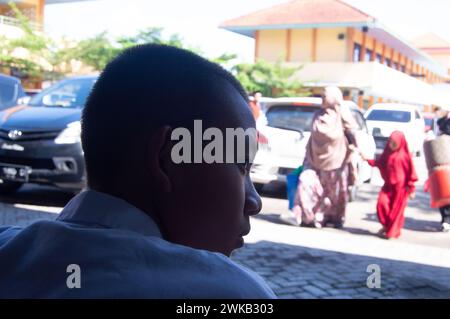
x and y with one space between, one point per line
145 87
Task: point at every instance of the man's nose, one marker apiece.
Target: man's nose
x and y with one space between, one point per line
253 204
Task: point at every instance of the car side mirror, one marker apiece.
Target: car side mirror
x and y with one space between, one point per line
376 131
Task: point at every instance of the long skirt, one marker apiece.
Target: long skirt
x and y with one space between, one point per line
322 196
391 206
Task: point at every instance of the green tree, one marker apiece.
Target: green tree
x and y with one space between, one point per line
95 52
100 49
272 79
49 60
34 44
42 56
150 35
225 59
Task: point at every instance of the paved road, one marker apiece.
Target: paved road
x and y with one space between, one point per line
303 262
332 263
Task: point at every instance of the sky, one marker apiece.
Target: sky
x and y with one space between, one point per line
197 21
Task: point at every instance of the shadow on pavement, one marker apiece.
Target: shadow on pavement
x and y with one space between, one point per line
272 218
303 272
275 218
412 223
422 200
359 231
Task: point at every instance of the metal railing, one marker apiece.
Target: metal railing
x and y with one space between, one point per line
16 23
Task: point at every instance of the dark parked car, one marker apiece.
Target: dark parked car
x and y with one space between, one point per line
40 142
11 91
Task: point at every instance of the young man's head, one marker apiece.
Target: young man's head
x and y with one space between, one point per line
140 98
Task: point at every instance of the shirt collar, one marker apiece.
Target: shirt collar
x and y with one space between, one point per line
94 207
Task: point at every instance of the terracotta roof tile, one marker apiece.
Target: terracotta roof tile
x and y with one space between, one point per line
430 40
301 12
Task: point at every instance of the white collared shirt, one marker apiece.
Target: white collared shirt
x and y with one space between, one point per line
111 249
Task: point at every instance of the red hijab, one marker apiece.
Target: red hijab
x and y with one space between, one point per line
397 166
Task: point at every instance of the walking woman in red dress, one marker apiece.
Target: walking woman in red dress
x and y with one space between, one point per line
399 175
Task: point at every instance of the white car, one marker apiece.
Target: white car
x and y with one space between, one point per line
284 128
384 118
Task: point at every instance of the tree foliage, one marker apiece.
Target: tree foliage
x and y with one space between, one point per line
95 52
271 79
34 46
102 48
47 59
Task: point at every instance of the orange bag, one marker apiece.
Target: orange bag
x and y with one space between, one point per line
439 186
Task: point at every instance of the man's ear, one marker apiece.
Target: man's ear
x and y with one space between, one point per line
159 152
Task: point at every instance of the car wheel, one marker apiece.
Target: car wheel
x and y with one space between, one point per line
8 187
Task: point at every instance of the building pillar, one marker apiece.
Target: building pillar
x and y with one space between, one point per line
288 44
40 12
314 45
417 69
362 54
402 62
256 45
374 51
399 59
383 54
392 57
350 44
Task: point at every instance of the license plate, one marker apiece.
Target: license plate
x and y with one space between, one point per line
16 173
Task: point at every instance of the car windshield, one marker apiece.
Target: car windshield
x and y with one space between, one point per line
291 117
70 93
389 116
7 93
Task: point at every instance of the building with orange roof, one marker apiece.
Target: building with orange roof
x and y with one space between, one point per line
33 9
436 47
10 28
338 44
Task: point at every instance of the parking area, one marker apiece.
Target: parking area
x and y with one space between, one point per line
303 262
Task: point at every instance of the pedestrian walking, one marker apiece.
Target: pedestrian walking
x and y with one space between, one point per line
322 192
399 175
438 163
